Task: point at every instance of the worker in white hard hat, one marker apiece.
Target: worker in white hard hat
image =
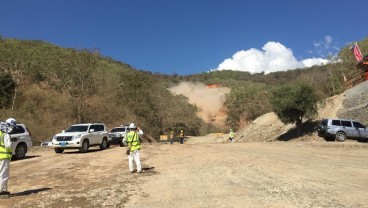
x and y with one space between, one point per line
133 142
171 136
5 154
231 136
181 136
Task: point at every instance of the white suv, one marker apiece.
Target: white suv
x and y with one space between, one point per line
22 142
117 135
81 136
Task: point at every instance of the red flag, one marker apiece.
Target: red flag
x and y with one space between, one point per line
356 51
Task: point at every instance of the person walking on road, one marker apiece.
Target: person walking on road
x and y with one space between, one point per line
181 136
133 143
171 136
231 136
5 154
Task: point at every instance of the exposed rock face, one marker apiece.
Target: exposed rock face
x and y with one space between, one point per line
355 104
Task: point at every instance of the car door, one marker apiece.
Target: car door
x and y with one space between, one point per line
348 128
361 131
93 131
20 134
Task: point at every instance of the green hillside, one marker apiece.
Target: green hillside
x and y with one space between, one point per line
49 87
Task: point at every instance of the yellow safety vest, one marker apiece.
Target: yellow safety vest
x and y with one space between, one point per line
5 153
134 143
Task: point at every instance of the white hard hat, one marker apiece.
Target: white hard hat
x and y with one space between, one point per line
132 126
12 122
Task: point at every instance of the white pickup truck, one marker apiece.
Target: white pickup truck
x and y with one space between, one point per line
81 136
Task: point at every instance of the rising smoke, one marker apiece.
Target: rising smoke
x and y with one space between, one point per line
209 100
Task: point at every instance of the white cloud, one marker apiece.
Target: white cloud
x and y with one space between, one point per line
324 47
273 57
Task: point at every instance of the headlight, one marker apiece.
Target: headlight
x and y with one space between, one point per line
118 135
77 136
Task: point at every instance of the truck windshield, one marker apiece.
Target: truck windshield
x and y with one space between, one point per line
118 130
77 129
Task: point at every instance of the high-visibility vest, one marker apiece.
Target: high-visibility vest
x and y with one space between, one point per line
5 153
134 143
232 134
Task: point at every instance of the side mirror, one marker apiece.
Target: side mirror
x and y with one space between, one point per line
91 130
63 131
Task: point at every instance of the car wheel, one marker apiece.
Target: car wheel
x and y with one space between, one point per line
340 136
59 150
20 151
103 145
85 146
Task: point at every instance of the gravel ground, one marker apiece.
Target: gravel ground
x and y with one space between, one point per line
196 174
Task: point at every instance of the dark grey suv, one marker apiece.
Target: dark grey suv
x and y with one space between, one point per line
341 129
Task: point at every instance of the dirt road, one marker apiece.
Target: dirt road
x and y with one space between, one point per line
277 174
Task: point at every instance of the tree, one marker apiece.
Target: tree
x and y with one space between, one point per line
294 102
77 72
7 87
12 62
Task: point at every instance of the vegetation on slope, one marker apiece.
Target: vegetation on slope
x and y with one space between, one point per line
49 87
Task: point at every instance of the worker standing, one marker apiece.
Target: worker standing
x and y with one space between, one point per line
5 154
171 136
133 143
181 136
231 136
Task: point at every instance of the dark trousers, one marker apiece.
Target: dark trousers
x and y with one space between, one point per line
181 140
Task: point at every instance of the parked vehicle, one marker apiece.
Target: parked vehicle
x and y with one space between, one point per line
117 135
81 136
22 143
341 129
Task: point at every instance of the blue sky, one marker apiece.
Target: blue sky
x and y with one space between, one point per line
193 36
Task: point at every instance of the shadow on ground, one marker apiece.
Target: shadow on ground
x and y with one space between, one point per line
32 191
25 158
308 128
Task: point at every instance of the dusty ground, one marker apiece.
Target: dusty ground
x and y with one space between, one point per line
257 174
255 171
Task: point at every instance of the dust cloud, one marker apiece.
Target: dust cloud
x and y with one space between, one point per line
208 99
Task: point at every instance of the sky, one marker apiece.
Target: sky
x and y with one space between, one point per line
193 36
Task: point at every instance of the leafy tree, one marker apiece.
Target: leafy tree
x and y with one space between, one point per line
7 87
77 72
294 102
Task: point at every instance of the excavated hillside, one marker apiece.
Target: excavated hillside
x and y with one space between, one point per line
269 128
353 103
